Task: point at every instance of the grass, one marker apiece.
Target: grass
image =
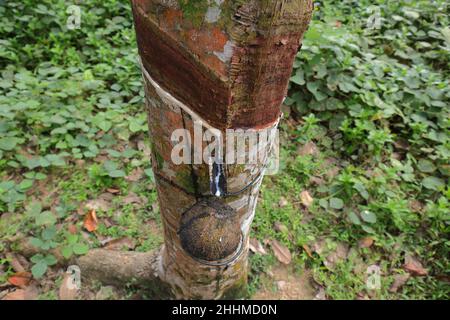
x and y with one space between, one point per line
365 133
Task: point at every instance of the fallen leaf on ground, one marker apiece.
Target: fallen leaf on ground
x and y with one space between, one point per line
20 279
113 190
132 198
256 247
366 242
414 267
18 294
331 256
307 250
90 221
15 262
308 149
362 296
281 284
283 202
29 293
401 144
135 175
142 146
399 281
106 196
72 229
321 294
317 181
106 293
119 244
306 198
415 205
281 252
98 204
67 290
336 256
279 227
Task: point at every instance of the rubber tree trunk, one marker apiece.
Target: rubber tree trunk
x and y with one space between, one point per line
211 66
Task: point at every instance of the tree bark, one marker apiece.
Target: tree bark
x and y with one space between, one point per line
224 65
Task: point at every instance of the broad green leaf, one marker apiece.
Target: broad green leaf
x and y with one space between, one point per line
433 183
39 269
362 190
353 217
110 165
38 243
426 166
34 208
149 173
45 218
50 260
67 251
299 78
323 203
117 174
368 216
105 125
49 233
368 229
80 248
8 143
336 203
25 184
72 238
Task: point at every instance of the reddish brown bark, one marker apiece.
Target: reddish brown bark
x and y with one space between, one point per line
242 90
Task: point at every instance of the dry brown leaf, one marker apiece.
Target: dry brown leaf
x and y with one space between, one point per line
29 293
98 204
366 242
146 150
106 293
308 149
306 198
281 252
135 175
414 267
283 202
256 246
332 172
399 281
113 190
106 196
321 294
415 205
90 221
67 291
332 254
281 285
336 256
401 144
119 244
279 227
132 198
20 279
307 250
72 229
317 181
15 262
18 294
